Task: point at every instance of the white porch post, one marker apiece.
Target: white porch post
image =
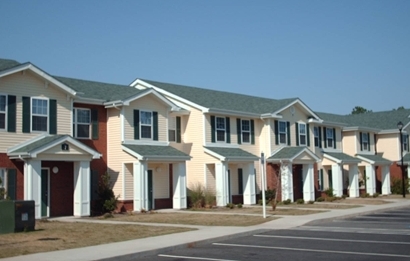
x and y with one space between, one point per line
140 185
370 179
179 200
308 183
354 181
32 184
337 178
222 190
248 176
82 194
386 180
287 182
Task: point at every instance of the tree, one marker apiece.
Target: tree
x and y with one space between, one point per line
399 108
360 110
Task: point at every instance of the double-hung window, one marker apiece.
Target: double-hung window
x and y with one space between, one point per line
172 125
81 123
3 112
405 142
246 131
329 137
220 129
146 124
39 114
365 141
316 133
282 132
302 134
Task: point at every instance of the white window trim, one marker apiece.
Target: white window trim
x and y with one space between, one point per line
75 123
301 134
316 136
365 143
5 112
31 113
219 129
150 125
174 119
286 132
328 137
246 131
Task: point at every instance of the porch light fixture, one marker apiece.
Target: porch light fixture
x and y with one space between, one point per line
55 170
158 169
400 126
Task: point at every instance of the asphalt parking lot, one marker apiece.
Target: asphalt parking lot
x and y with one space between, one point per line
379 236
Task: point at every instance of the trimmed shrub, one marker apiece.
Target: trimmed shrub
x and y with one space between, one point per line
107 201
239 205
396 186
311 202
320 199
300 201
287 202
329 192
230 205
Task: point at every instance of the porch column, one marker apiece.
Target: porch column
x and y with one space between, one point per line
140 185
32 184
370 179
82 182
337 178
386 180
308 183
287 182
222 183
354 181
179 200
248 176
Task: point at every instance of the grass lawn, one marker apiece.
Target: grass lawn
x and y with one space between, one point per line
54 235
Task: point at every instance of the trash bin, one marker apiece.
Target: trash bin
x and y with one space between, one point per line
16 216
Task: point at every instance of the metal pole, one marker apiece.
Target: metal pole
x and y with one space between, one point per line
402 165
263 184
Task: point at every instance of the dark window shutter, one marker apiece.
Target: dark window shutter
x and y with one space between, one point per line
11 183
288 131
334 138
136 124
53 117
228 130
155 123
240 182
213 138
239 130
11 113
408 145
361 141
26 114
368 137
325 137
320 137
252 132
308 135
94 124
276 132
321 180
178 134
94 184
297 133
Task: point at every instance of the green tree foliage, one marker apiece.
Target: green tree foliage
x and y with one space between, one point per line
399 108
360 110
107 201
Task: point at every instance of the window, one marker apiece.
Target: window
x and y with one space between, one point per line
320 179
220 129
81 123
3 102
246 131
146 124
365 141
282 132
329 137
405 142
172 125
316 133
2 178
302 134
39 114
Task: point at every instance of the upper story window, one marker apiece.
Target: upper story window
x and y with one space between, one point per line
3 102
329 137
405 142
146 124
81 123
282 132
246 131
316 134
365 141
220 129
39 114
302 134
172 128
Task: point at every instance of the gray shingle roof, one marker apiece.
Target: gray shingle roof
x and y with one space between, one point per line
233 153
378 159
7 64
38 144
214 99
343 157
157 151
287 153
406 158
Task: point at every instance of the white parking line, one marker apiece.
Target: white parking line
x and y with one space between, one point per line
197 258
336 239
356 230
313 250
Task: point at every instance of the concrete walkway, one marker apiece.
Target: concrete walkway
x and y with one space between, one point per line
129 250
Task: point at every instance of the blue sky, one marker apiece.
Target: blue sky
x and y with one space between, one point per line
334 55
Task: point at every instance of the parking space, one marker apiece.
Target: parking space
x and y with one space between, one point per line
379 236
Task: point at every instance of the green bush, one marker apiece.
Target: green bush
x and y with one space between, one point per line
239 205
330 199
365 195
107 201
287 202
329 192
196 195
311 202
375 195
209 198
270 195
344 196
300 201
230 205
396 186
320 199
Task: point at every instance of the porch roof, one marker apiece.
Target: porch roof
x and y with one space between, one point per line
292 153
230 154
155 152
340 157
374 159
406 159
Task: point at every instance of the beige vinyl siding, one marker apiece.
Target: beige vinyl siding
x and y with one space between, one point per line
389 145
210 177
147 103
350 143
129 181
31 85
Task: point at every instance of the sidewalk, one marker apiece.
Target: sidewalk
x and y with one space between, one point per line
129 250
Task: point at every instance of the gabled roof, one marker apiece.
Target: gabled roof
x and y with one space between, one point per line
406 159
230 154
153 152
374 159
291 153
7 64
340 157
